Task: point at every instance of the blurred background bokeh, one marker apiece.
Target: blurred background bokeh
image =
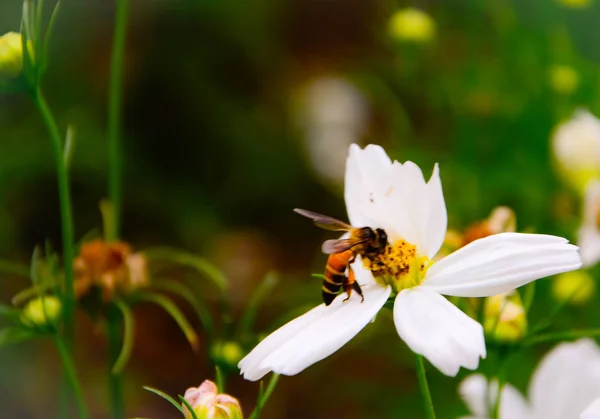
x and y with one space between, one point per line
237 112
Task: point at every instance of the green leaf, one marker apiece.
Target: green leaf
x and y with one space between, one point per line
189 407
259 294
9 312
527 295
170 307
13 335
128 334
198 304
318 276
263 396
190 260
166 397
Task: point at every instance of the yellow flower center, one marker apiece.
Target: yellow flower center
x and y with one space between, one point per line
398 265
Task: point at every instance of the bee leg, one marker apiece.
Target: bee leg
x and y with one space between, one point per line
357 288
351 284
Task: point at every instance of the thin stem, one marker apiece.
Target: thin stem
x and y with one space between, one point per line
558 336
424 387
69 368
114 114
264 396
66 215
115 385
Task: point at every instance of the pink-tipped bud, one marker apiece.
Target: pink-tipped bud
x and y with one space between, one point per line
207 404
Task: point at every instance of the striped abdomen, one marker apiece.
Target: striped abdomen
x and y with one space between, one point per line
335 274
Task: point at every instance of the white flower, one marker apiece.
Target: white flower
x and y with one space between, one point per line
564 384
395 197
589 232
576 149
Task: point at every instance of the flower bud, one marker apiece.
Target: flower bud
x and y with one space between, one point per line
11 55
411 25
576 149
504 317
575 287
41 311
563 79
576 4
228 353
207 404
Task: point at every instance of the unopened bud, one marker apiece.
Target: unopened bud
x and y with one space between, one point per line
411 25
576 4
11 54
228 353
563 79
504 317
41 311
575 287
207 404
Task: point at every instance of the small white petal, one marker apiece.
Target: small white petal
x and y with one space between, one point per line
479 395
314 335
474 392
589 234
435 328
436 218
367 175
566 381
592 412
501 263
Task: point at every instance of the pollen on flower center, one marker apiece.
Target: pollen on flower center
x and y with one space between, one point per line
398 265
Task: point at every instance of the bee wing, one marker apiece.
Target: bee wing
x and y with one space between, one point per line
340 245
323 221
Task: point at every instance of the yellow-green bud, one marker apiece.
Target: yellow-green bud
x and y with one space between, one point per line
207 404
576 4
504 317
41 311
11 55
575 287
563 79
228 353
411 25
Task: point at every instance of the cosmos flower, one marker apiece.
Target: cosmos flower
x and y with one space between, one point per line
576 149
565 383
207 404
395 197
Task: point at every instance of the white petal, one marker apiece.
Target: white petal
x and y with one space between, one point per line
592 412
435 328
589 234
500 263
415 210
479 395
367 175
474 392
566 381
314 335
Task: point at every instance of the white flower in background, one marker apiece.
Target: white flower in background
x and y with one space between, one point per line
565 383
593 411
333 116
395 197
589 232
576 149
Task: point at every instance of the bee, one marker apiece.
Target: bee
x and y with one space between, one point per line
363 241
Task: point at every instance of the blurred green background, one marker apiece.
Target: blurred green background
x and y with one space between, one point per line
237 112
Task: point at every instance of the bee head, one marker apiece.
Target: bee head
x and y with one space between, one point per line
382 239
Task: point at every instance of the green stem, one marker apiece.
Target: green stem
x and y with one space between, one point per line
69 367
114 114
424 387
66 216
264 397
115 385
558 336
